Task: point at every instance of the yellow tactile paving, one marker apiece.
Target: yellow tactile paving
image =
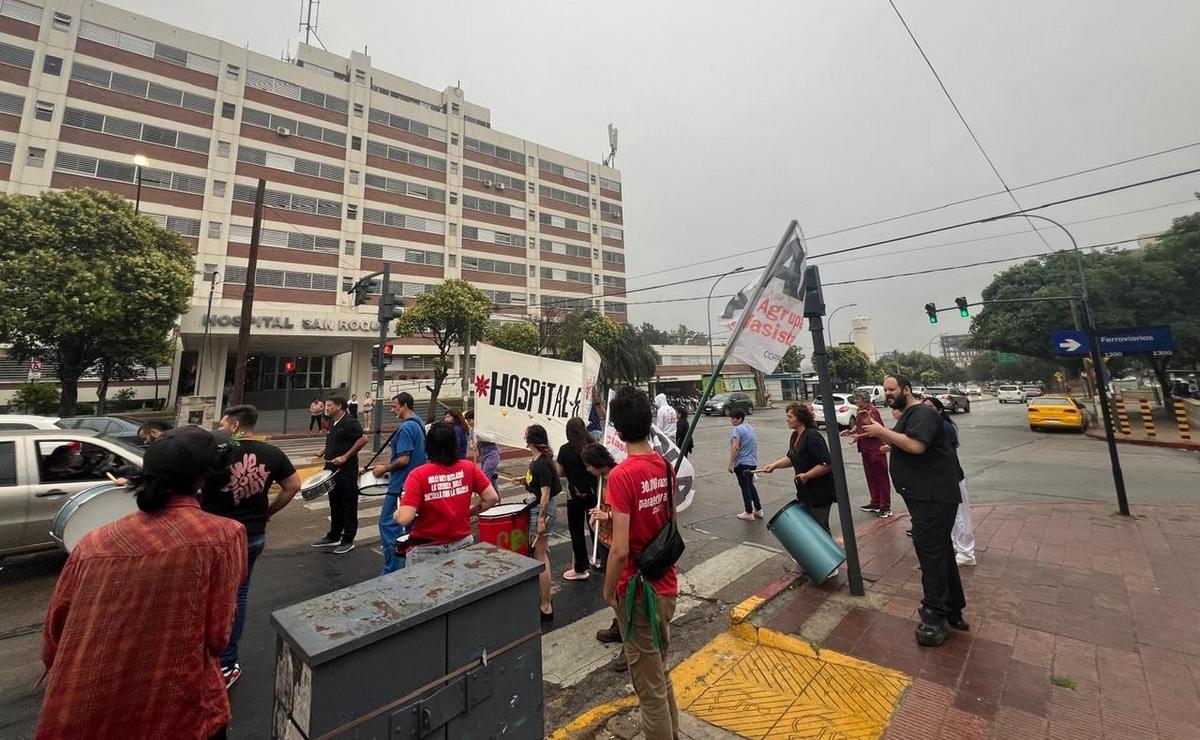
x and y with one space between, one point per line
763 689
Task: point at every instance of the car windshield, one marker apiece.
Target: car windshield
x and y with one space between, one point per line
1009 388
940 390
720 397
1050 402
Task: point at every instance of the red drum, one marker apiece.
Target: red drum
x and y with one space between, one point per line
506 526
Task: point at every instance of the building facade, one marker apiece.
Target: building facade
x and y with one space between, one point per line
955 349
362 168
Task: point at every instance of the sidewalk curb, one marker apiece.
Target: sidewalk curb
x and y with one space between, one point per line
1191 446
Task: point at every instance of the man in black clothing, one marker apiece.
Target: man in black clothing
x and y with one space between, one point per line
343 440
240 493
924 472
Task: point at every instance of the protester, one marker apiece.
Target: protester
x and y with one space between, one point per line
408 451
681 428
316 413
600 463
541 479
352 406
343 439
486 453
142 609
152 431
743 459
462 431
962 535
240 493
639 489
595 424
581 485
437 496
874 458
924 473
808 455
665 417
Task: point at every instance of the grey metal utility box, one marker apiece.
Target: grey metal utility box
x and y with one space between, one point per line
449 649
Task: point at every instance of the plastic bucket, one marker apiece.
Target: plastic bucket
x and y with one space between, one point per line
506 526
807 543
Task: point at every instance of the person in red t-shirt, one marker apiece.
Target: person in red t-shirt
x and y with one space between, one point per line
437 496
639 491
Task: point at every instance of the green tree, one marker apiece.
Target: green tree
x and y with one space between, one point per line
84 279
654 335
447 316
35 398
790 362
516 336
628 358
848 364
595 328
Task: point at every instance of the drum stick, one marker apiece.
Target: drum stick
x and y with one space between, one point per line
596 529
382 447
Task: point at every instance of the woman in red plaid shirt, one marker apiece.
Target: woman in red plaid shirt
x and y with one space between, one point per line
143 608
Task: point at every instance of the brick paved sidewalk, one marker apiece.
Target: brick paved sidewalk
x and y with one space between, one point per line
1083 624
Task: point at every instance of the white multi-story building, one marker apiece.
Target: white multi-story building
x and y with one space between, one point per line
362 168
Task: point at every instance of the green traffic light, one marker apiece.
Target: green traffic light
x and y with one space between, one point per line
964 313
933 318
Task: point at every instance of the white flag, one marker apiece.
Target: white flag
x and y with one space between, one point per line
777 316
664 443
514 390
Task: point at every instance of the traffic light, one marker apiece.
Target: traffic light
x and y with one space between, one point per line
364 289
931 309
387 355
289 367
390 307
962 307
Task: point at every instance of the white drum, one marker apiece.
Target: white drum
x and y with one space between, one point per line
371 485
91 509
317 485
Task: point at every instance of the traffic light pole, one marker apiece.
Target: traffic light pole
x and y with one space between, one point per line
385 307
287 397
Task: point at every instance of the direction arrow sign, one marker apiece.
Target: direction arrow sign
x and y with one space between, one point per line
1069 343
1139 340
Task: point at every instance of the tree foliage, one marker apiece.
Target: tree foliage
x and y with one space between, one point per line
87 283
516 336
919 367
849 365
790 362
447 316
679 335
35 398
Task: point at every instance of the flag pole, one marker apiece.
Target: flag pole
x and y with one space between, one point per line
763 280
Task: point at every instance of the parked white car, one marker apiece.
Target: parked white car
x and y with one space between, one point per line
843 409
874 392
25 421
973 390
1011 394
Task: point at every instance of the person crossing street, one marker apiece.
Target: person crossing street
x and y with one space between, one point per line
874 458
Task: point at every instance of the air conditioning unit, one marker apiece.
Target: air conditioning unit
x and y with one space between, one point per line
283 131
488 183
499 186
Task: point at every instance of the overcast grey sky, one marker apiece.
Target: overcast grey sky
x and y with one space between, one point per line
737 117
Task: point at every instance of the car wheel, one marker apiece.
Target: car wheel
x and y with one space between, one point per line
967 408
1032 428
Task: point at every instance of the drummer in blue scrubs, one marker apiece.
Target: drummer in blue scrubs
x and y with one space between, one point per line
408 451
808 456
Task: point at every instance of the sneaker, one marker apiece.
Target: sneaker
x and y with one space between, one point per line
574 575
963 559
231 675
324 542
870 508
758 514
620 663
612 634
884 513
343 548
746 516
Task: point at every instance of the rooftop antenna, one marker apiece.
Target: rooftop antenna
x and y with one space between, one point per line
310 14
612 146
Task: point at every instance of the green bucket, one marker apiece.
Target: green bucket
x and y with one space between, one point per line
806 541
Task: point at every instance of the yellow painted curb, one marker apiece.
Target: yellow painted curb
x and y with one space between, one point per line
593 716
742 611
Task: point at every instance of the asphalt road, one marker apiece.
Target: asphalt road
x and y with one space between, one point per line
1003 460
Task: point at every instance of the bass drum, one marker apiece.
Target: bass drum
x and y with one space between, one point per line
91 509
370 485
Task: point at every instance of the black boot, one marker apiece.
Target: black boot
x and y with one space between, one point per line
612 634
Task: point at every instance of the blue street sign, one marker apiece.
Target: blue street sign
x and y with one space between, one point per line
1115 342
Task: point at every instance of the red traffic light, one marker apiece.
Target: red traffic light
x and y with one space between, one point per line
289 367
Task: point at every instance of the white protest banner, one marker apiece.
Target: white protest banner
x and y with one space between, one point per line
514 390
591 374
777 316
664 444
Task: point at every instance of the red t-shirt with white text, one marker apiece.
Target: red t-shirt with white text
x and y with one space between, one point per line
441 494
639 487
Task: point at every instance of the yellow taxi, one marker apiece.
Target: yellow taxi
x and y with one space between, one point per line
1056 412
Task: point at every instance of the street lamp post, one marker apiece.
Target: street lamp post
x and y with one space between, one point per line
139 161
213 277
1097 360
711 361
829 318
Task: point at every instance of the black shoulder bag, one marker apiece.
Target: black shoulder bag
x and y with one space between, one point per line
666 548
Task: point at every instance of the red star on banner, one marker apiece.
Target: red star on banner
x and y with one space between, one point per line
482 384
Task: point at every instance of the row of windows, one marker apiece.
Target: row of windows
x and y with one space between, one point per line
549 219
612 281
289 201
570 276
491 150
472 203
495 237
380 149
401 123
16 56
133 130
137 87
294 127
613 307
13 105
573 250
29 13
290 164
611 209
123 172
265 277
240 234
7 151
612 232
617 257
153 49
504 297
403 187
403 221
561 195
562 171
607 184
486 264
551 301
406 98
477 121
181 225
484 176
291 90
393 253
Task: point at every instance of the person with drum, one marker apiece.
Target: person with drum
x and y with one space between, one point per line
541 479
808 455
438 498
581 485
240 493
408 452
133 635
343 440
